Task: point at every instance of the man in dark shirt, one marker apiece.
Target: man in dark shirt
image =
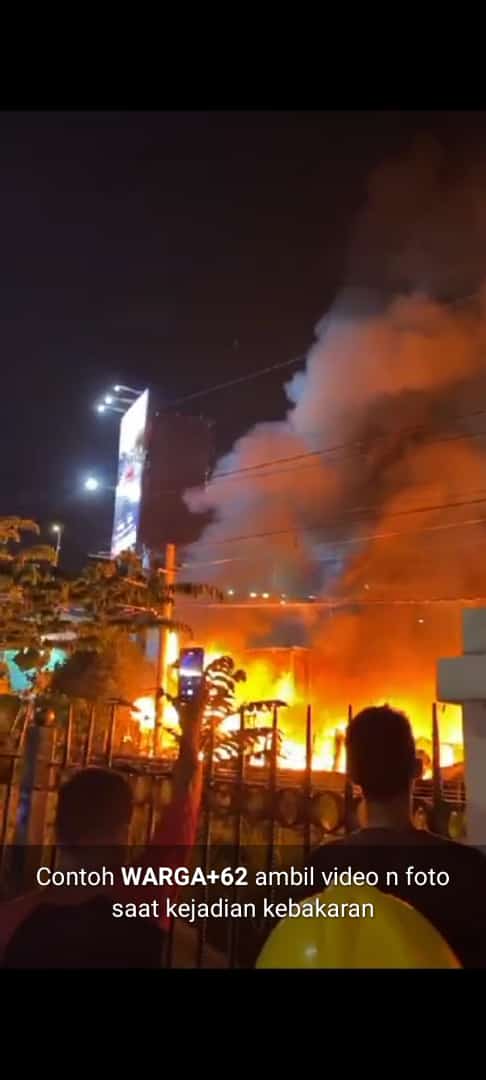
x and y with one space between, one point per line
77 936
411 864
71 927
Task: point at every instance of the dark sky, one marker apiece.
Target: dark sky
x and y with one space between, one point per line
170 249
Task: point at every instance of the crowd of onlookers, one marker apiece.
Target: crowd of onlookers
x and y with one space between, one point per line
59 928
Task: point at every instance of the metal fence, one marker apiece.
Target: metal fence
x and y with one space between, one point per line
271 815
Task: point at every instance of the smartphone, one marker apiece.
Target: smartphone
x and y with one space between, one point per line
191 671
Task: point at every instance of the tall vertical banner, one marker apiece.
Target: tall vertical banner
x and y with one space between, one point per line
131 458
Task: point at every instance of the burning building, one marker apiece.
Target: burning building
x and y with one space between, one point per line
370 492
295 678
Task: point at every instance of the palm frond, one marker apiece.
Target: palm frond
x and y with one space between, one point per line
38 553
11 529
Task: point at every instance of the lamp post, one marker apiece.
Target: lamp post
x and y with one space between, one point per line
93 484
105 406
170 572
119 389
58 530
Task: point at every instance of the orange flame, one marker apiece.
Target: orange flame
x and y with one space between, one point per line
265 682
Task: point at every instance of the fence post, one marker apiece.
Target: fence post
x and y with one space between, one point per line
348 789
89 736
111 736
272 789
240 776
308 781
39 745
436 773
9 803
69 733
202 928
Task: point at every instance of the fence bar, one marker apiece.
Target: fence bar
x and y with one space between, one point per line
53 858
272 788
240 778
89 736
202 928
348 789
170 942
111 737
68 739
234 835
149 832
23 732
152 812
308 781
6 810
16 757
436 774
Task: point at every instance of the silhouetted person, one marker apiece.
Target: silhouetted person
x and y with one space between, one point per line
73 927
382 761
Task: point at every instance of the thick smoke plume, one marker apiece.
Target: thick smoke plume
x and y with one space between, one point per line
394 393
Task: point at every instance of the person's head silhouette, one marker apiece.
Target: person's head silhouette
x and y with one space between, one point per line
382 761
94 809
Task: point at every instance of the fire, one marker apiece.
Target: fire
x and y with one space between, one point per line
173 647
266 682
144 707
285 690
328 757
450 729
144 711
448 755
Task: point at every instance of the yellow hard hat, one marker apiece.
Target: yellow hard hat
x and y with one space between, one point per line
395 936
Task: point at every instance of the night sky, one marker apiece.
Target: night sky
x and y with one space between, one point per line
166 249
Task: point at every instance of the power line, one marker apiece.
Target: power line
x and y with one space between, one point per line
362 444
239 379
294 360
413 532
350 602
336 523
270 557
359 444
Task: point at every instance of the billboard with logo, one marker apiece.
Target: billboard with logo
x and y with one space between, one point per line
131 458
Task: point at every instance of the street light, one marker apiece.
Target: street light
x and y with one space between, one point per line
58 530
127 389
105 406
91 484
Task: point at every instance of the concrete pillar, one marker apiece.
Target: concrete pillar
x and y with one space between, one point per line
462 680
